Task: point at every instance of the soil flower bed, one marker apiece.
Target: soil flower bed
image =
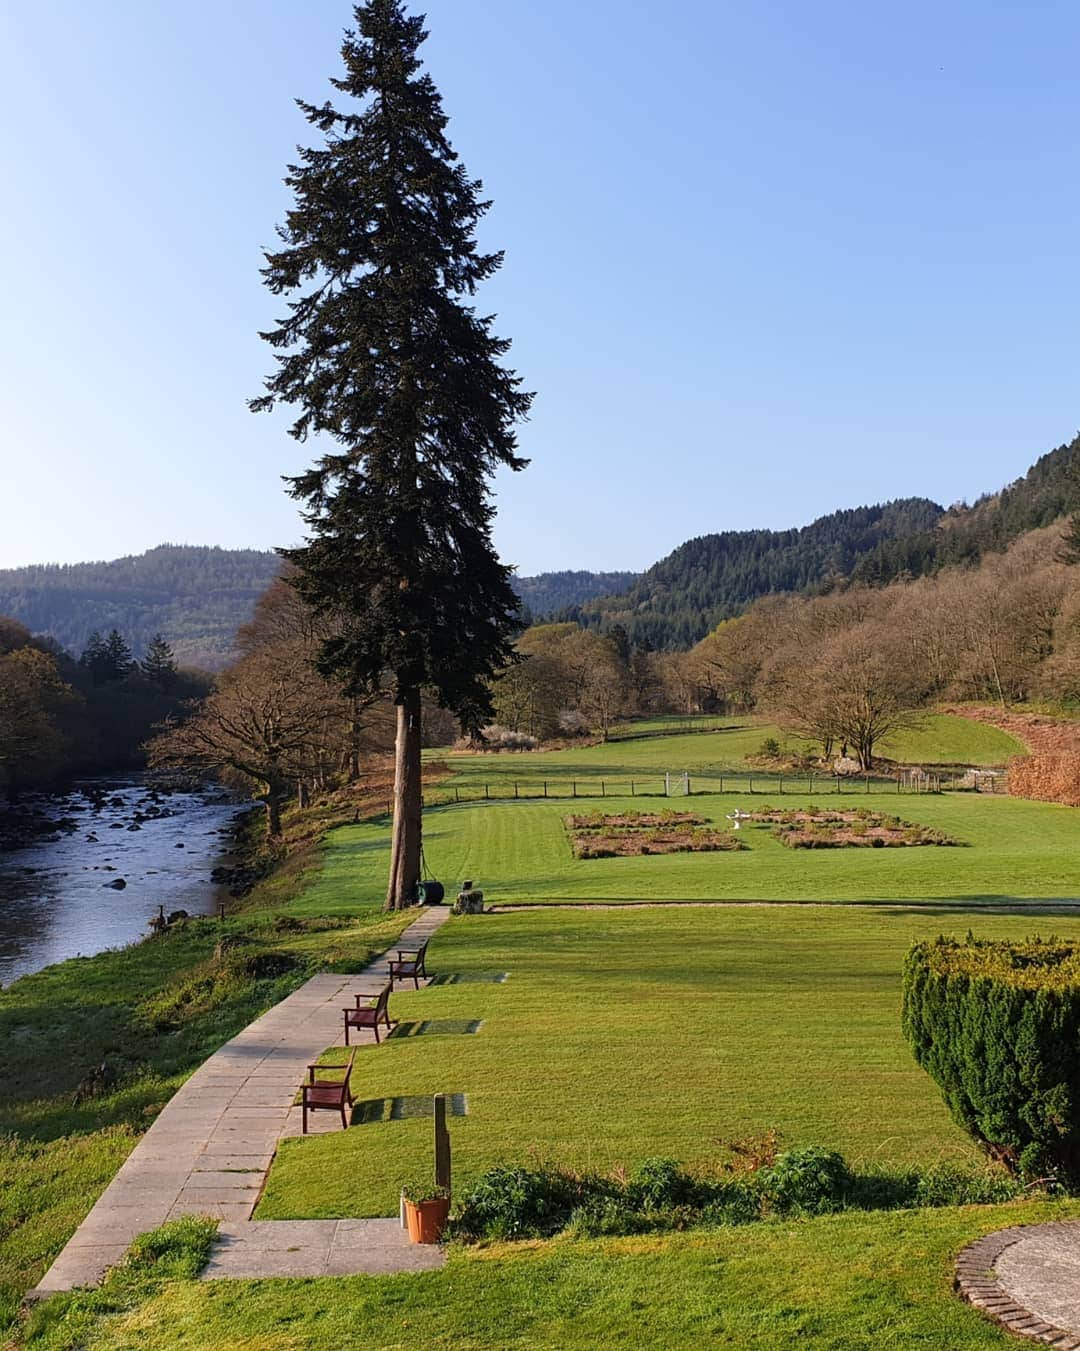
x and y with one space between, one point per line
630 834
816 828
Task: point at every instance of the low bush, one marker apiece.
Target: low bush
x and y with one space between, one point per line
806 1182
996 1026
661 1197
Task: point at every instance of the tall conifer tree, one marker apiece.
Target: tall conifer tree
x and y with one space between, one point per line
383 355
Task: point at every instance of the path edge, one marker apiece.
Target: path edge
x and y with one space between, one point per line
978 1284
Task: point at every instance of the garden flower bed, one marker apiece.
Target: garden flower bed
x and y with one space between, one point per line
817 828
631 834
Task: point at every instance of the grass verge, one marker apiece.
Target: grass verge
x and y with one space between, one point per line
836 1283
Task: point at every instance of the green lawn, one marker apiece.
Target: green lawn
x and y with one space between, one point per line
518 852
835 1284
620 1035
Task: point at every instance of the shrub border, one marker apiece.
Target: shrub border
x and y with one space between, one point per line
977 1282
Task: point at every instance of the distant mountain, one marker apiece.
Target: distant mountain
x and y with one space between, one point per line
199 597
678 600
196 597
552 591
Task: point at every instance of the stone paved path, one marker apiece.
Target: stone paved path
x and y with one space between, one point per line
1028 1279
211 1146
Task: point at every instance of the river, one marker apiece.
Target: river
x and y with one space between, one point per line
59 897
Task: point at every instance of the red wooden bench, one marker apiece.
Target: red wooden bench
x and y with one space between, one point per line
409 962
332 1095
370 1015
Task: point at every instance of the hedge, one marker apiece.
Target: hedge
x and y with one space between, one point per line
997 1026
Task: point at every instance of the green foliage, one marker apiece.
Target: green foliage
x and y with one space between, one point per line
662 1197
385 355
421 1189
996 1025
808 1181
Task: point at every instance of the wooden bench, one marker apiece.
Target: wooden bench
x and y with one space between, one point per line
370 1015
331 1095
409 962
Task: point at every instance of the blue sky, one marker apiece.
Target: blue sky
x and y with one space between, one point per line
763 259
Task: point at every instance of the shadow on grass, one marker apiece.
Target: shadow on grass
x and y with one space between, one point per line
437 1027
405 1108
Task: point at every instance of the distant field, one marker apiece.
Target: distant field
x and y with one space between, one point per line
650 749
619 1035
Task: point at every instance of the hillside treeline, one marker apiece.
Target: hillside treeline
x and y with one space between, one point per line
707 580
197 597
842 670
61 716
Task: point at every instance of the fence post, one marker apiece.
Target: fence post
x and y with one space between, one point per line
545 787
750 784
457 795
781 782
689 791
868 783
516 794
487 790
573 787
838 783
603 788
632 793
811 783
898 778
721 783
442 1143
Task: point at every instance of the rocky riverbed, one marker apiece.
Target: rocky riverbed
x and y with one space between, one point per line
89 869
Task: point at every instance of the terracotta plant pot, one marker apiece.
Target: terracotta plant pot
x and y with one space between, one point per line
427 1219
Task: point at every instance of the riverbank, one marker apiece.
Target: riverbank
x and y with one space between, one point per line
92 1048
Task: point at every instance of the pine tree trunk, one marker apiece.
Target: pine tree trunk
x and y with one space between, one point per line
405 842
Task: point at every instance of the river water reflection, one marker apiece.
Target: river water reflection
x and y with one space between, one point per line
56 900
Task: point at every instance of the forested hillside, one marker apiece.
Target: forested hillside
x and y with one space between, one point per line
553 591
196 597
678 600
1049 489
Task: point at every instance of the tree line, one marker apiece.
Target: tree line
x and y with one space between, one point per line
61 715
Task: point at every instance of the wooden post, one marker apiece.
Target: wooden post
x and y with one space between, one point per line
721 783
750 784
573 787
689 791
603 788
442 1143
515 788
898 778
457 795
781 782
811 782
545 787
838 783
632 793
487 790
868 783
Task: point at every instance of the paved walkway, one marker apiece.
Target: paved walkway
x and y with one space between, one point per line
1028 1279
210 1148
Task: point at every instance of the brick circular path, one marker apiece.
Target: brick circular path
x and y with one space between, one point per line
1027 1279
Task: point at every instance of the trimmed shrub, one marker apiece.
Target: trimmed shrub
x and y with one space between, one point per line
996 1025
